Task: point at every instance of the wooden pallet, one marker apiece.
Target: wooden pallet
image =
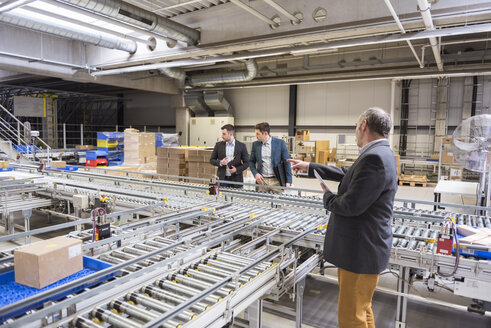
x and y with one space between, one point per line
412 184
412 180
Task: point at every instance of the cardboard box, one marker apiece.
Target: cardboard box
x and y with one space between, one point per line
4 164
323 157
447 157
58 164
398 163
447 140
456 173
85 147
300 149
319 146
435 156
302 135
43 263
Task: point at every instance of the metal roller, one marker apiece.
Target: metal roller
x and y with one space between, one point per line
197 284
82 322
174 298
132 310
181 289
159 306
114 319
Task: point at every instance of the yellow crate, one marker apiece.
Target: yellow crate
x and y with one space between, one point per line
107 143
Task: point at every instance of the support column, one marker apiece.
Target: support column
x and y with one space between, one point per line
404 117
255 313
441 112
468 97
299 310
402 287
292 110
182 118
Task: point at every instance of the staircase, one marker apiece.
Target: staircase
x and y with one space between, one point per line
12 133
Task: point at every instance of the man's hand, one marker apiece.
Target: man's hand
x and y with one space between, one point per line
324 188
232 169
224 161
298 165
287 184
259 178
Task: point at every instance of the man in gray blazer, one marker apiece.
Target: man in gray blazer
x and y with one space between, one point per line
359 237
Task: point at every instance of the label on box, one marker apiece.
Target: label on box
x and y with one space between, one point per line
74 251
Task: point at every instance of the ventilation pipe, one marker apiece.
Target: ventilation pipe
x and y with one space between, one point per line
139 17
424 8
226 77
175 73
51 27
217 103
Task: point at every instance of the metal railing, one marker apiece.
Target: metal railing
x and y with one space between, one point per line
15 134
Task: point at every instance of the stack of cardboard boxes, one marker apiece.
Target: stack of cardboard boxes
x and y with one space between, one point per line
4 164
139 147
172 161
185 161
199 163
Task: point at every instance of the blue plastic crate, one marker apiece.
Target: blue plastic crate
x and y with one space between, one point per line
8 169
110 136
94 154
25 148
107 149
115 163
70 168
11 292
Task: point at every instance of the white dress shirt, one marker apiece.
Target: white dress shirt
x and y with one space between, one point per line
229 151
267 170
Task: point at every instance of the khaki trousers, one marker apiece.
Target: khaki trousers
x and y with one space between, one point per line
270 182
355 299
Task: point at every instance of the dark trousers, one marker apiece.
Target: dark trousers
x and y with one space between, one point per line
229 185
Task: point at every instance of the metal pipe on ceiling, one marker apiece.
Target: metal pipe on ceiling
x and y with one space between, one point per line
478 28
133 15
12 4
91 26
255 13
424 8
283 11
403 31
106 19
47 26
226 77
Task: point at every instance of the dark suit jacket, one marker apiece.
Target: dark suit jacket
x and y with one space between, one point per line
359 234
240 161
279 153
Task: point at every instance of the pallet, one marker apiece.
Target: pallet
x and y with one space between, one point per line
412 180
412 183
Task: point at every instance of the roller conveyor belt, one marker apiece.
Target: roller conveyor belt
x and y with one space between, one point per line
155 298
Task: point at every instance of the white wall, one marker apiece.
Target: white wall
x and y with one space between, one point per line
336 105
340 104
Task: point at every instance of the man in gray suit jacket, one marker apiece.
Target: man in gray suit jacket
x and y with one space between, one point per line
359 237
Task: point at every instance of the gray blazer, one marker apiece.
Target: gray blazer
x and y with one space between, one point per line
359 234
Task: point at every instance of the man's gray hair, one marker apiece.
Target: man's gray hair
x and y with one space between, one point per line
378 120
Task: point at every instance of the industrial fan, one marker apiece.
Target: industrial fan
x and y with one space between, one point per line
471 145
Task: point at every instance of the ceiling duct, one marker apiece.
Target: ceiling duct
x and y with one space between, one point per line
226 77
130 14
195 102
50 26
177 74
217 103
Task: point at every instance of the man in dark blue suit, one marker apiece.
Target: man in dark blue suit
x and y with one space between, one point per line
359 237
266 155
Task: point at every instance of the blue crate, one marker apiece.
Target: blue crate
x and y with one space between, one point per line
11 292
25 148
94 154
8 169
115 163
70 168
107 149
110 136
